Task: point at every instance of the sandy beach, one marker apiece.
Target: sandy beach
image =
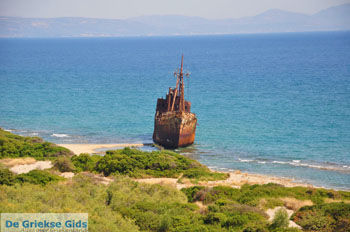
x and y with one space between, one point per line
235 180
93 148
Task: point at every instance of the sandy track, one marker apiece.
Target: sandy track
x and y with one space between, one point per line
11 162
25 168
91 148
239 178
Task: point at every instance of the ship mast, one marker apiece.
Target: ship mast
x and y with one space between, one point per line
182 87
179 88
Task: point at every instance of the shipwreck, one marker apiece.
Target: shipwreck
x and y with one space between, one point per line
174 124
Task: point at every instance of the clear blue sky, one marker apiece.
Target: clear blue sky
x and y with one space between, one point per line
131 8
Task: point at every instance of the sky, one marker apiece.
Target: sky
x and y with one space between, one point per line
120 9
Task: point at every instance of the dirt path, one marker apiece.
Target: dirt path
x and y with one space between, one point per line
25 168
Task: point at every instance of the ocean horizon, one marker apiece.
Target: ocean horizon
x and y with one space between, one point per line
275 104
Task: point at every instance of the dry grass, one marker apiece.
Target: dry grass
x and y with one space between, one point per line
98 178
295 204
161 181
11 162
203 209
330 200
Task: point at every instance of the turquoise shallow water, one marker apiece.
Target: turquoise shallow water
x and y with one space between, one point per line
275 104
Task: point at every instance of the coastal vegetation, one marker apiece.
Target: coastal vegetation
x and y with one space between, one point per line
33 177
14 146
320 216
136 163
252 195
127 205
324 217
141 164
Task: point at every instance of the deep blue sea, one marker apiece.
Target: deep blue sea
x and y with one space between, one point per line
275 104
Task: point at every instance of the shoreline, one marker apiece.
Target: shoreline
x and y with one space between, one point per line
236 178
93 148
241 177
99 148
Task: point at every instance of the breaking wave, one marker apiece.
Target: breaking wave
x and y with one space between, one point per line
60 135
299 163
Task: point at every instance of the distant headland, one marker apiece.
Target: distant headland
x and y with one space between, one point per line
335 18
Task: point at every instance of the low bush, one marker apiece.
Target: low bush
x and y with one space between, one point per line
14 146
82 195
64 164
126 205
191 193
85 162
37 177
253 194
136 163
324 217
236 217
281 219
6 177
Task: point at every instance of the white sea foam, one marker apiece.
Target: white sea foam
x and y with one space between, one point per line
298 163
60 135
279 162
245 160
320 166
8 130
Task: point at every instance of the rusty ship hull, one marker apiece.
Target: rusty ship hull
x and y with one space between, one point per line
174 123
173 129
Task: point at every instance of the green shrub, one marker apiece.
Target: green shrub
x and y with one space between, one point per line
165 224
324 217
191 192
64 164
85 162
82 195
125 205
253 194
14 146
281 219
153 207
215 218
136 163
37 177
236 217
203 174
6 177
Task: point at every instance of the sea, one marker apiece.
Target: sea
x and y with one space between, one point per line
275 104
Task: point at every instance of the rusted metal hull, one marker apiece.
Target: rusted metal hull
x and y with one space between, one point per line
174 129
